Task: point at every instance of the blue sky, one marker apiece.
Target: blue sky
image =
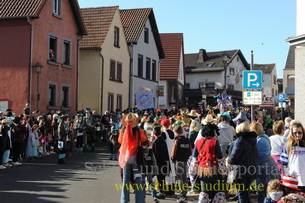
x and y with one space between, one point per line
217 25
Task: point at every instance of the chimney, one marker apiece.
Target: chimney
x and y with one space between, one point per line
202 56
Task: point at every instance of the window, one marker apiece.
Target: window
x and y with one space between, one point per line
232 71
274 79
146 35
147 68
110 102
66 53
56 7
154 70
52 95
65 96
119 71
231 87
52 48
119 102
140 65
112 70
116 37
237 59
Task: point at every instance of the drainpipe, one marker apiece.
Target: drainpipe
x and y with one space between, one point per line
130 49
77 73
30 64
102 82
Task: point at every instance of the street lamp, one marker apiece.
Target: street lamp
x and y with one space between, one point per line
38 68
225 60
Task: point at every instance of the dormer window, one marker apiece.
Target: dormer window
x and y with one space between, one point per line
146 35
116 42
209 65
57 7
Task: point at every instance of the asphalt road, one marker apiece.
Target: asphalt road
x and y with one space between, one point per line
87 178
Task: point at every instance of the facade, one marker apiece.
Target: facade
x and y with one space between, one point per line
104 75
39 54
209 73
270 85
298 43
289 77
145 50
172 75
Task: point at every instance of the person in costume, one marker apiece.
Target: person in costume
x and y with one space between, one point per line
293 193
63 131
79 126
293 154
130 138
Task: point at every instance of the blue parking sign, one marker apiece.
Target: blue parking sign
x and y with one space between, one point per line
252 79
282 97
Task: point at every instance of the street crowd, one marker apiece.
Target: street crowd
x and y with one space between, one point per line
217 155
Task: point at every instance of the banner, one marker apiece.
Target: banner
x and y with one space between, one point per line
145 100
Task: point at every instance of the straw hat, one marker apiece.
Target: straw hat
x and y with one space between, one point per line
290 181
4 121
193 114
208 119
130 118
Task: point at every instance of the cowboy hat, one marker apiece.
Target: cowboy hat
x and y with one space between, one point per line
130 118
290 181
193 114
208 119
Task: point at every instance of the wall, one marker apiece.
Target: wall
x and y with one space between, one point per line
64 28
300 83
121 54
147 50
90 73
15 63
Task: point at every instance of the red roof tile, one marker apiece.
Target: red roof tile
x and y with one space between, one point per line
172 44
20 8
97 22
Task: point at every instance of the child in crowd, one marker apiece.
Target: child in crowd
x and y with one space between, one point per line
274 191
114 144
160 152
180 154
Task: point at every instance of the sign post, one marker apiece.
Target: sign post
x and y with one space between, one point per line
252 87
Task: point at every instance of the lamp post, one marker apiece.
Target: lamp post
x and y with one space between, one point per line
225 60
37 67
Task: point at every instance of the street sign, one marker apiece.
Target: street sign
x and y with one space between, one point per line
252 79
252 97
268 100
282 97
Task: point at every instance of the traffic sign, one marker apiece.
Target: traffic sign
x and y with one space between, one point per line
282 97
252 79
252 97
268 100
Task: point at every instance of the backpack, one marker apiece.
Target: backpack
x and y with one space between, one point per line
148 162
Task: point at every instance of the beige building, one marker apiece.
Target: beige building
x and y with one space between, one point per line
289 77
104 61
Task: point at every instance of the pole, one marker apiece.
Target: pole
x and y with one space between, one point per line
37 104
251 68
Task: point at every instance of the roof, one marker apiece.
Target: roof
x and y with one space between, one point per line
290 62
213 61
266 68
10 9
172 44
20 8
97 21
134 20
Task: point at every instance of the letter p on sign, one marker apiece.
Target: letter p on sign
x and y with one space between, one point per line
252 77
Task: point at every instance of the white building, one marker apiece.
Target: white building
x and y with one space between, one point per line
299 59
208 73
270 86
145 50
